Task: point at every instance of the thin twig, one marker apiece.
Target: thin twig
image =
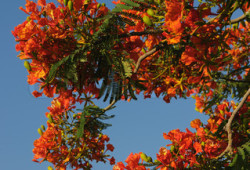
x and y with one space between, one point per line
141 58
140 33
110 105
242 17
229 124
232 80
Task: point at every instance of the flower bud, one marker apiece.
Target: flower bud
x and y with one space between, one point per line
147 20
50 168
50 118
27 65
42 127
40 131
65 2
150 12
70 5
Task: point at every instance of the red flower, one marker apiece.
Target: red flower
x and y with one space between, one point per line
41 3
195 123
197 147
37 94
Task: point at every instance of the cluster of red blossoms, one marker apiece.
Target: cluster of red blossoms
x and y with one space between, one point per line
193 149
47 36
175 50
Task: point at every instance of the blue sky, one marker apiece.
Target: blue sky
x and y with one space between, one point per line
138 125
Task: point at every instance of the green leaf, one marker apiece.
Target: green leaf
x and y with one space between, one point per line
131 91
102 89
53 69
127 68
114 91
125 92
116 10
131 3
140 0
107 93
80 130
246 147
130 15
242 153
120 7
128 21
234 161
118 97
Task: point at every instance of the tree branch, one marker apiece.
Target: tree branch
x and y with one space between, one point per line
140 33
229 124
141 58
242 17
232 80
110 105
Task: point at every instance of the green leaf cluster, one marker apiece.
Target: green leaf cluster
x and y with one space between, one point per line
91 120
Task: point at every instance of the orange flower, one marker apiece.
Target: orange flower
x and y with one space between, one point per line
37 94
112 161
41 3
195 123
119 166
110 147
188 56
197 147
200 132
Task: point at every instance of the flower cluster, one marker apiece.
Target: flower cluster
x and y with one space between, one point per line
196 149
172 48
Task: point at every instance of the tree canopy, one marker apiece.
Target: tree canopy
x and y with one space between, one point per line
79 50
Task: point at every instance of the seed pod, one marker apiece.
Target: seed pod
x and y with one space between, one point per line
65 2
158 2
157 161
50 118
28 18
149 159
150 12
172 148
70 5
147 20
202 143
143 156
42 127
27 65
40 131
50 168
234 160
146 158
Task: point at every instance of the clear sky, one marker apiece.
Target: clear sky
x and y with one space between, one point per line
138 125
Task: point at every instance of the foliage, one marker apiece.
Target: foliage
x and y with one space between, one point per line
173 48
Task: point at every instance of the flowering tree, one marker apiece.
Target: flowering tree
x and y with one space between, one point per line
173 48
